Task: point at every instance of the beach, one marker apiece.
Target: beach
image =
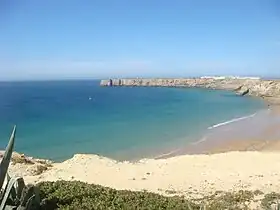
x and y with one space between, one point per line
193 176
162 104
258 132
232 166
225 164
57 119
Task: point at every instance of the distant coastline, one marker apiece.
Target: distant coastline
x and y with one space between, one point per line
227 164
254 86
268 90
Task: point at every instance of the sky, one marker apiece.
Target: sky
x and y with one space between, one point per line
144 38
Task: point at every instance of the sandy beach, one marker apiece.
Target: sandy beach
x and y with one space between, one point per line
261 132
266 138
170 105
193 176
228 166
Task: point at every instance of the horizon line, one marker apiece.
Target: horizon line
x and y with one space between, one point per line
132 77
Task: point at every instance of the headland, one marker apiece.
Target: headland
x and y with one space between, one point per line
254 86
252 164
268 90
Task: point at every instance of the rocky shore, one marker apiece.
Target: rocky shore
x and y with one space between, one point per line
268 89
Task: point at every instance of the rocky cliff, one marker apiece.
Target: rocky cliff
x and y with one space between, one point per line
256 87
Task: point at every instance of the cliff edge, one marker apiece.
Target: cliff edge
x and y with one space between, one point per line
242 86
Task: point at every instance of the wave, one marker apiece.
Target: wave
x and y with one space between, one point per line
164 155
231 121
199 141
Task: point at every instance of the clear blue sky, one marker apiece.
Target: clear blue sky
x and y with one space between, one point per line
55 39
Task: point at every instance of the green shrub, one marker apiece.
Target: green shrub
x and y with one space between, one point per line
270 199
231 201
78 195
75 195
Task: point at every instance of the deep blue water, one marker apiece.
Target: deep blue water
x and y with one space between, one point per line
58 119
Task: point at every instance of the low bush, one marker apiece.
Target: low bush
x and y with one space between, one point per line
75 195
78 195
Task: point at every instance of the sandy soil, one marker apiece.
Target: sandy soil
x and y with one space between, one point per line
191 175
268 139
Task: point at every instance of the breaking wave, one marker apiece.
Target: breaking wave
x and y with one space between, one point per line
231 121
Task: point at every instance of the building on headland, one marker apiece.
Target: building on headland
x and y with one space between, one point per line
213 77
110 83
229 77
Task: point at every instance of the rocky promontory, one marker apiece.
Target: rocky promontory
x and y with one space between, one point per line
269 89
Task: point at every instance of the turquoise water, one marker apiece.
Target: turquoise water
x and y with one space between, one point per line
58 119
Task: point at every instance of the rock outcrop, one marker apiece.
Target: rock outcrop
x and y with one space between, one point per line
29 166
242 86
242 90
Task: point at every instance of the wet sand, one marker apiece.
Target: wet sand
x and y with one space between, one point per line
252 164
267 138
258 133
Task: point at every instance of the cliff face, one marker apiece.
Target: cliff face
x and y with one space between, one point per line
257 87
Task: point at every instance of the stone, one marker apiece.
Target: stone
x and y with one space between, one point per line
37 169
243 91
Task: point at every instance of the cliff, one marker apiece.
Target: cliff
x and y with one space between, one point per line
242 86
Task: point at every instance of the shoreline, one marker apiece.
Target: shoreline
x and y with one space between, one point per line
269 90
225 137
266 90
274 108
231 165
191 176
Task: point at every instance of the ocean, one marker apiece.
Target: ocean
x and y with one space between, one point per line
57 119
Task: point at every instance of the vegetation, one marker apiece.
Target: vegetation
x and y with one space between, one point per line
78 195
271 199
68 195
15 194
236 201
75 195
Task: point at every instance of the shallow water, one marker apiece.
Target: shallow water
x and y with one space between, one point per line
58 119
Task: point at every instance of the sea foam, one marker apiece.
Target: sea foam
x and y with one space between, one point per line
231 121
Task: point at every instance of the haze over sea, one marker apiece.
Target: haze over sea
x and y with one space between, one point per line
58 119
